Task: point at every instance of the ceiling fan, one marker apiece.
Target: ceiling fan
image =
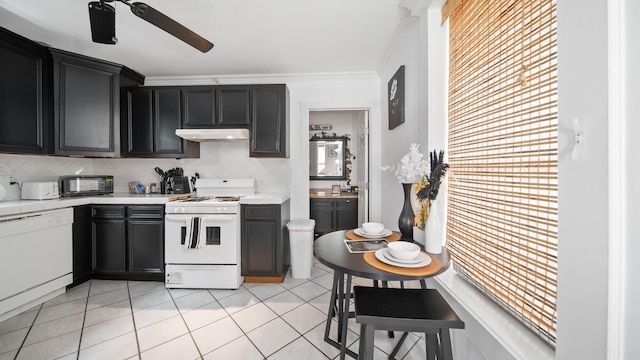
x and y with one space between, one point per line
103 23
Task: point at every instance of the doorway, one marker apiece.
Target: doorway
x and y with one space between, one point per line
353 125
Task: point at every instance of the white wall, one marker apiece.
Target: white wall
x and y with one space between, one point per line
345 92
631 288
395 143
584 242
583 183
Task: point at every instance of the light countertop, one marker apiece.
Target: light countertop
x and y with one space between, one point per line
319 193
266 198
27 206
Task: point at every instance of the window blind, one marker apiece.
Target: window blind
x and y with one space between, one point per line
502 218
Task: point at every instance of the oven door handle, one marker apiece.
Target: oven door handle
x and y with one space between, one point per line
218 218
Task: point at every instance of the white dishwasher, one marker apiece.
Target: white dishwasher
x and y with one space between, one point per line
36 257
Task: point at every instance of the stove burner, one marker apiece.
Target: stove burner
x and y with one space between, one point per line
197 199
227 198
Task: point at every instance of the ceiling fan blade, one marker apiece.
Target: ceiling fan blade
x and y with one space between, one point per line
169 25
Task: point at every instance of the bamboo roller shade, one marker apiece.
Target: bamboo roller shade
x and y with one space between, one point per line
503 220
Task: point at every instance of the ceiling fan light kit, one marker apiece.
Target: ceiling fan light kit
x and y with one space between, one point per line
103 16
103 22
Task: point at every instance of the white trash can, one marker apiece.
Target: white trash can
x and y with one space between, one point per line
301 246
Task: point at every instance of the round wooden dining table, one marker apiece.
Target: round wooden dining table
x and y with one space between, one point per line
330 249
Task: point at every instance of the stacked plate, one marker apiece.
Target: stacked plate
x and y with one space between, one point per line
363 233
385 256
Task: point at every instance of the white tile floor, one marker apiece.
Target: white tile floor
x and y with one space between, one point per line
103 319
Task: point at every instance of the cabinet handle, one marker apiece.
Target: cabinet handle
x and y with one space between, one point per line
348 201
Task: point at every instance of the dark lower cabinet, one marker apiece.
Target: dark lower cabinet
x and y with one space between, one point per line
82 249
334 214
264 240
128 242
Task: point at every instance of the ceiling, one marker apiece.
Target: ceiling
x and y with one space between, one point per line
250 36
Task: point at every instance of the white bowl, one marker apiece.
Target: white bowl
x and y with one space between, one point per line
403 250
373 228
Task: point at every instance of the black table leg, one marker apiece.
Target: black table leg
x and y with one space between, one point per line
338 293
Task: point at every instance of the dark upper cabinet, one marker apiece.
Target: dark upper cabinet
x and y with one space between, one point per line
25 95
199 107
269 121
216 106
86 98
234 106
153 113
151 117
86 106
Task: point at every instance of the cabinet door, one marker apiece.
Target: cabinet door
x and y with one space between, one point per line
108 246
259 249
199 107
269 121
82 254
261 241
86 96
322 212
146 245
346 214
139 122
168 118
233 106
24 89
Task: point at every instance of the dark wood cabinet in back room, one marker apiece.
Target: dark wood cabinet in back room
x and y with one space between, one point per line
334 214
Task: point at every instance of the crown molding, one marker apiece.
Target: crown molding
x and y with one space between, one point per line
241 79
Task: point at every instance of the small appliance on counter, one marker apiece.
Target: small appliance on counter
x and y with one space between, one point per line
173 181
40 190
79 185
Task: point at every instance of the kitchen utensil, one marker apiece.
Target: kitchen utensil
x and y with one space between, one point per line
180 184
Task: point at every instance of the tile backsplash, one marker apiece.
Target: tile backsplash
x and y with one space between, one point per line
218 159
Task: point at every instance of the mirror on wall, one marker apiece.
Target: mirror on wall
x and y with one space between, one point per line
327 159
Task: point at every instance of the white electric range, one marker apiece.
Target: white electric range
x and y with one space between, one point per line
202 236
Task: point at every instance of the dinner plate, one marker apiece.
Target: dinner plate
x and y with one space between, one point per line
393 258
361 232
424 259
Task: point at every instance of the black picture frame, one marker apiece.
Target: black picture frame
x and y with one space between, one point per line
395 89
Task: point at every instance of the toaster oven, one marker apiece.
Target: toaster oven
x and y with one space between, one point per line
80 185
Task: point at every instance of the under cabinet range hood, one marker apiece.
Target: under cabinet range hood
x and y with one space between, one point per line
213 134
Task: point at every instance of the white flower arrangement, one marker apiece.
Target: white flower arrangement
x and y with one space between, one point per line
412 167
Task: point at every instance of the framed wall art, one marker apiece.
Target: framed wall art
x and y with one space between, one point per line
396 98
